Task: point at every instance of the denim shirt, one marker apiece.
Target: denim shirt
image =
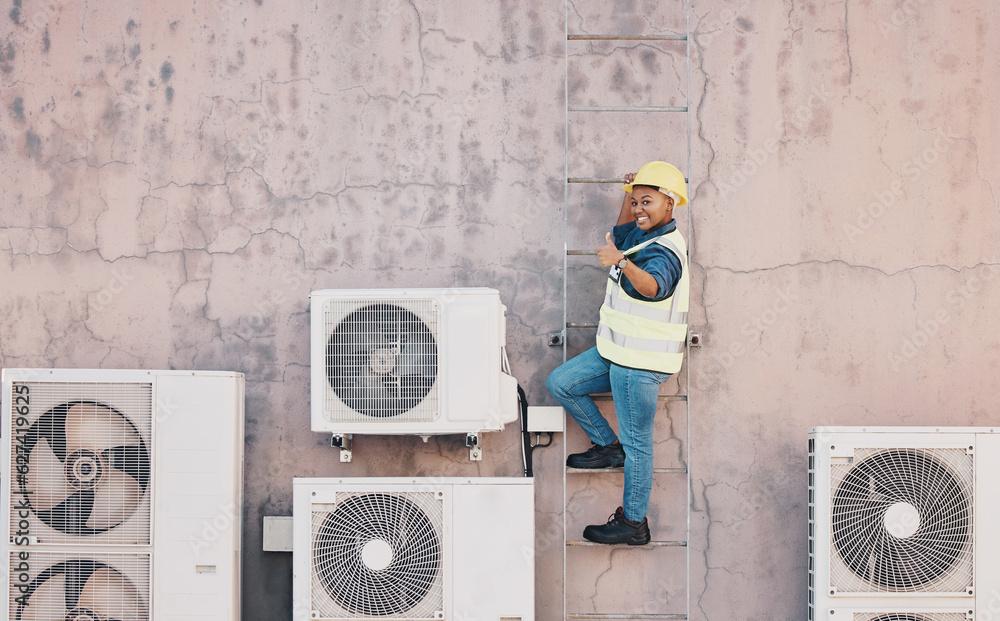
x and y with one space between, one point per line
659 262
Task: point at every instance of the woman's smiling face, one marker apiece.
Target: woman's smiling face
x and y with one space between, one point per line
651 208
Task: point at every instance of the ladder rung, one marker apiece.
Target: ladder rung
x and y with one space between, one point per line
596 37
655 544
598 180
598 615
593 180
621 470
618 615
628 109
607 397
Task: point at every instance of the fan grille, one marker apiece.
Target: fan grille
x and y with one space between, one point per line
909 616
381 360
378 555
81 461
901 521
56 587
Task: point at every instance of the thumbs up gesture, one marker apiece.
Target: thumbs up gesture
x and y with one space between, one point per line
609 255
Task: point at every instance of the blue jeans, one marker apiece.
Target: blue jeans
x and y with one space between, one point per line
634 392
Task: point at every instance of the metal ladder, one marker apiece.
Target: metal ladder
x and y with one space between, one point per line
577 116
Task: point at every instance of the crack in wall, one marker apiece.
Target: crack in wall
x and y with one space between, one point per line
840 262
847 43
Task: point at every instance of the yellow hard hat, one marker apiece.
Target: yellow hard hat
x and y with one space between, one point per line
663 176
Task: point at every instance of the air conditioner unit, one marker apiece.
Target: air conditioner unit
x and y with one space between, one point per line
903 523
409 361
123 491
413 549
908 616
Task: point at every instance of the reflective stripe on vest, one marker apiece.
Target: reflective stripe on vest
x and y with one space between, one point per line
646 335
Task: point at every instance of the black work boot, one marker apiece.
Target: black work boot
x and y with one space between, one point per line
597 456
619 530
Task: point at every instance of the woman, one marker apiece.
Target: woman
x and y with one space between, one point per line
640 344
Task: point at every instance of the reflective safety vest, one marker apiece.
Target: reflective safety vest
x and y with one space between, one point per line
646 335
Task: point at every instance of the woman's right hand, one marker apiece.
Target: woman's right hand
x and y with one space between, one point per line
625 215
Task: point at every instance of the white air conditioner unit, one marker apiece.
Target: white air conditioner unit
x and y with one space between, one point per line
409 361
413 549
906 616
903 523
123 491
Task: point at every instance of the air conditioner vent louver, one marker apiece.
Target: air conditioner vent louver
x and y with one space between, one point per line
88 468
103 466
902 520
413 549
381 359
83 458
409 362
380 555
91 588
901 523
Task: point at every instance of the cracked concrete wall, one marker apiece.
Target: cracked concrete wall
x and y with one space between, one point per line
846 227
178 176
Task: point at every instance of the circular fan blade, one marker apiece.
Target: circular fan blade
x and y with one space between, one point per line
71 515
381 360
115 499
45 483
55 590
398 583
113 596
417 359
75 449
383 396
132 460
46 601
374 395
97 427
352 350
880 552
78 572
